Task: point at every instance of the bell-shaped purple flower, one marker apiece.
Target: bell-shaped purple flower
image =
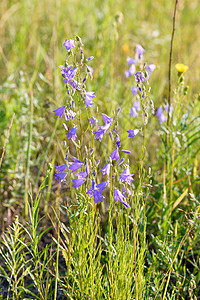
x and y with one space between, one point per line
107 119
101 186
60 177
130 72
101 131
140 50
150 68
69 43
71 134
115 155
59 111
133 112
74 166
98 197
131 61
88 99
134 90
61 168
132 132
126 176
106 169
119 197
78 182
137 105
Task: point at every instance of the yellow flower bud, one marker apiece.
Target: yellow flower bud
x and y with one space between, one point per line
181 68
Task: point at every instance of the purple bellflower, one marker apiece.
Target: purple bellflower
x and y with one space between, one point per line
59 111
74 166
140 50
132 132
137 105
71 134
61 168
69 43
106 169
60 177
115 155
126 176
88 99
131 61
78 182
101 131
162 118
107 119
133 112
150 68
101 186
130 72
118 196
134 90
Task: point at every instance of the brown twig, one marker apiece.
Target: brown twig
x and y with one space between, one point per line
4 146
170 58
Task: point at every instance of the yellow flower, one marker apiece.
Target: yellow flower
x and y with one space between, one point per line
181 68
125 48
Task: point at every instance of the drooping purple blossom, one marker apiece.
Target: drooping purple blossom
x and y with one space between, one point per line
132 132
107 119
61 168
98 197
60 176
115 155
162 118
88 99
59 111
69 43
93 121
81 175
74 166
119 197
150 68
168 110
126 176
140 50
133 112
78 182
101 186
131 61
101 131
130 72
134 90
106 169
137 105
71 134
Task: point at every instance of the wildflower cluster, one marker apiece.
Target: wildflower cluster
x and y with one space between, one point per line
85 172
141 72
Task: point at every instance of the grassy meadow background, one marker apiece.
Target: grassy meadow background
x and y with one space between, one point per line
31 38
